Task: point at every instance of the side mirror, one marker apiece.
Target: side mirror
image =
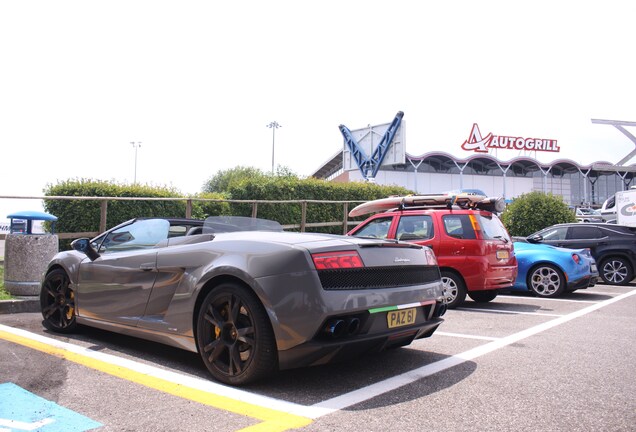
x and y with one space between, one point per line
84 245
537 238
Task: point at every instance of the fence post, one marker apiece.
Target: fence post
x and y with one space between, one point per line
103 211
303 217
188 209
254 209
345 218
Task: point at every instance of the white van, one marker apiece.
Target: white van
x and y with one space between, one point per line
608 211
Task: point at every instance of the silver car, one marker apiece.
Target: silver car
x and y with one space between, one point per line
247 296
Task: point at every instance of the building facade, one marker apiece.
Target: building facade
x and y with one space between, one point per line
437 171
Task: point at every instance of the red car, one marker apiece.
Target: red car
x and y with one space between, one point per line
473 248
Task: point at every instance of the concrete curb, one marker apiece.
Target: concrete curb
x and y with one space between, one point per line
19 305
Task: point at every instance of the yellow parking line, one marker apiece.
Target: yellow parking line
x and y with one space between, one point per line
271 420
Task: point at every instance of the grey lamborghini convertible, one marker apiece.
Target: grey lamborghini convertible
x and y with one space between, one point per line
249 297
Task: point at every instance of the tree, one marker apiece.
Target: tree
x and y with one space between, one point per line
224 180
533 211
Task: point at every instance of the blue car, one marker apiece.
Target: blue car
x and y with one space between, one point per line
549 271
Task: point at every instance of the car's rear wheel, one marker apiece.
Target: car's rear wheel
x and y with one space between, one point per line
234 336
616 271
546 280
454 289
57 302
483 296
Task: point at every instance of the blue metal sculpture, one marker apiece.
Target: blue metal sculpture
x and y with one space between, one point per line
369 165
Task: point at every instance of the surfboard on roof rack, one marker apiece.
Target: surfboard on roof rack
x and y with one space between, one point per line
465 200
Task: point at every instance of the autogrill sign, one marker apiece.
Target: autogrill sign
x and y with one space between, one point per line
477 143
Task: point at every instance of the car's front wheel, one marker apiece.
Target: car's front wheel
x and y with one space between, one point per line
234 336
57 302
616 271
483 296
546 280
454 289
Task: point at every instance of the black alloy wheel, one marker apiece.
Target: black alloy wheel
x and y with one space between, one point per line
616 271
234 336
546 280
57 302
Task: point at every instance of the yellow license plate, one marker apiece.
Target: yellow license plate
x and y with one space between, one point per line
503 254
399 318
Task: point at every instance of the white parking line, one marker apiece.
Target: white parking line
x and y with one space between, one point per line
465 336
373 390
604 292
511 312
331 405
557 299
196 383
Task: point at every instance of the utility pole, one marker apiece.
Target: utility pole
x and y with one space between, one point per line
273 126
136 145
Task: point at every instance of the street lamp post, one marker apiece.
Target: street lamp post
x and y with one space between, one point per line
273 126
136 145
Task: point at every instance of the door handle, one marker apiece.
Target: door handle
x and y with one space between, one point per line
147 266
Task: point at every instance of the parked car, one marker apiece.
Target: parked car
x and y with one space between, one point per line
549 271
473 249
612 246
586 214
248 297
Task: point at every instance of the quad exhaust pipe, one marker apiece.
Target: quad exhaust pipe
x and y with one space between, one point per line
337 328
440 309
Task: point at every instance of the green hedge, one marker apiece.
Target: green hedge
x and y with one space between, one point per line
203 209
79 216
290 188
84 215
531 212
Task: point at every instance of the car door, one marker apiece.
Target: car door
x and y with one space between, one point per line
416 228
116 286
459 241
585 236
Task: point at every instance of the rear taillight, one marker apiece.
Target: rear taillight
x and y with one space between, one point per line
431 259
337 260
576 258
475 224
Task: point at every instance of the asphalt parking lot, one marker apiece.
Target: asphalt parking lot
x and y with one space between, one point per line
518 363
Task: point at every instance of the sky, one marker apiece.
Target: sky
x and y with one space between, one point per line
197 83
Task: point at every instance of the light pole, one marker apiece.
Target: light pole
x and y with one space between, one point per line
136 145
273 126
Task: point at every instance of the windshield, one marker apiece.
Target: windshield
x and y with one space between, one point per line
588 211
223 224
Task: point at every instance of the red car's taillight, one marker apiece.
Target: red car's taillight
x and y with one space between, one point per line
476 226
337 260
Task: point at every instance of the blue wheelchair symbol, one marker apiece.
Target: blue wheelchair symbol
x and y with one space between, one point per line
21 410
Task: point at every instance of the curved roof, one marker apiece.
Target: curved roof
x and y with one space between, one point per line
521 160
486 162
